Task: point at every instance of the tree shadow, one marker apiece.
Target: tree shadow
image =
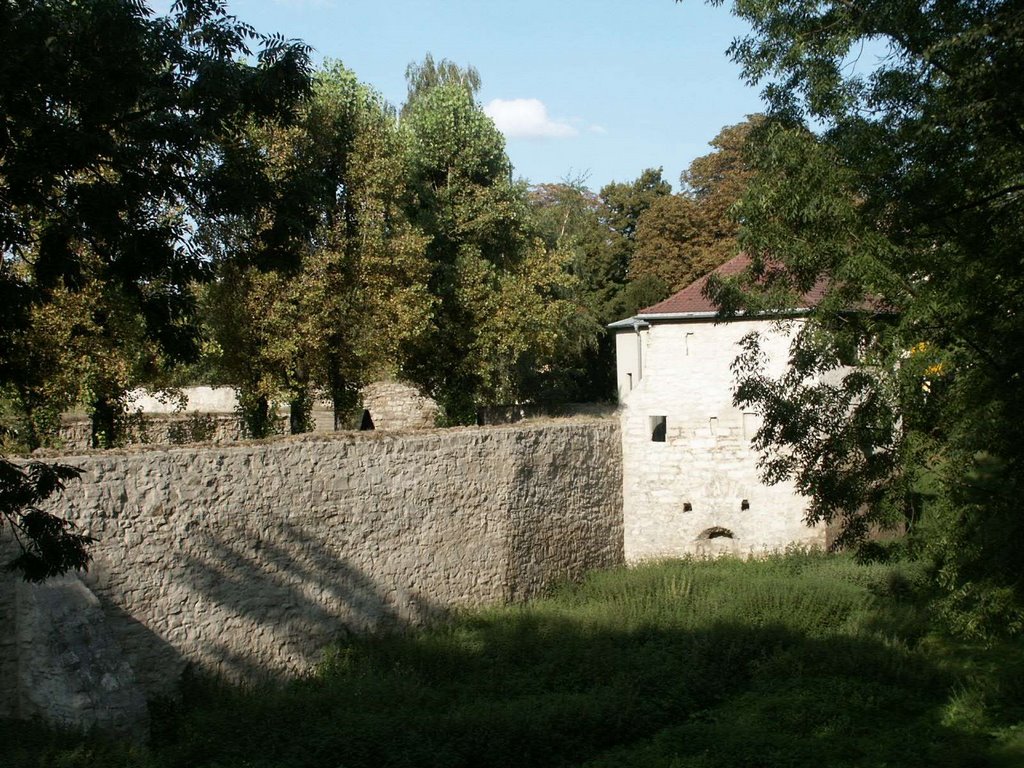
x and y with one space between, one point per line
266 606
542 690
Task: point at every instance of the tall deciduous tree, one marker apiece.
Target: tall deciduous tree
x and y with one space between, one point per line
483 256
622 206
423 76
108 111
910 199
319 289
682 237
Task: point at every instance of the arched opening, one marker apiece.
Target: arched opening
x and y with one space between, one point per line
366 424
716 533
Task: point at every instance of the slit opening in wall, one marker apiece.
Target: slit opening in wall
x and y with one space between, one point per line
658 428
366 424
716 532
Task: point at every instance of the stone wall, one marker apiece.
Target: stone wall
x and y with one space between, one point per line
71 670
245 560
164 429
208 415
396 405
697 489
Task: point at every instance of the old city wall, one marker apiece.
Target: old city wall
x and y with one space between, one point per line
246 560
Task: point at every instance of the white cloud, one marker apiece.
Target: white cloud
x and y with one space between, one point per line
527 119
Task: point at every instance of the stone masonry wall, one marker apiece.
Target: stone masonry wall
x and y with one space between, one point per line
396 405
164 429
245 560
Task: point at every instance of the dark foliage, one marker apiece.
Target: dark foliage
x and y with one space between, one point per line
49 544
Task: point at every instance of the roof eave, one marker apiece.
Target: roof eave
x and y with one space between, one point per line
646 318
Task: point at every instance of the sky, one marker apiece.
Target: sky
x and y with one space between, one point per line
598 90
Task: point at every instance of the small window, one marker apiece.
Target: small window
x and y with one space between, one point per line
658 428
689 342
713 425
366 424
745 505
687 506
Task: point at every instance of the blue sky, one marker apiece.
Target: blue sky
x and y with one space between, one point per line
599 88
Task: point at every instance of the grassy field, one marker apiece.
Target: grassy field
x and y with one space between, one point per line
802 660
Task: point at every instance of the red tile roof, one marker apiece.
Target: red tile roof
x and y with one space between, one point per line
691 299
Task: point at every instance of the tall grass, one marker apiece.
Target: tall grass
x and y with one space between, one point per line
802 659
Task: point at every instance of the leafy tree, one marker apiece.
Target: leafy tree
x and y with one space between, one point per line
421 77
318 289
682 237
600 235
107 112
665 244
567 218
910 200
487 266
622 206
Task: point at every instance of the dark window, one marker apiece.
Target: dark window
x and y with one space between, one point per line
658 427
745 504
687 506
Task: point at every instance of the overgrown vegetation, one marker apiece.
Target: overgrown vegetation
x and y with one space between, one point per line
804 659
900 186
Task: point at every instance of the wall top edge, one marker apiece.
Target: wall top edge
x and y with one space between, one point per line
346 436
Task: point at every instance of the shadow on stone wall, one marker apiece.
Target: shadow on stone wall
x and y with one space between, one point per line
268 607
71 668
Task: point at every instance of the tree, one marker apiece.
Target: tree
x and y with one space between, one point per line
680 238
910 200
567 218
321 285
421 77
486 262
109 112
113 127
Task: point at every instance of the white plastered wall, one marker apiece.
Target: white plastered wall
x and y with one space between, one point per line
706 461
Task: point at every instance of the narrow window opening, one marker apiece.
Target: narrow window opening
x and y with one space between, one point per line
716 533
689 339
713 424
366 424
745 504
630 377
658 428
687 506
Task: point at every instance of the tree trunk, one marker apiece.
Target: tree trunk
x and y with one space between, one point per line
300 416
104 422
